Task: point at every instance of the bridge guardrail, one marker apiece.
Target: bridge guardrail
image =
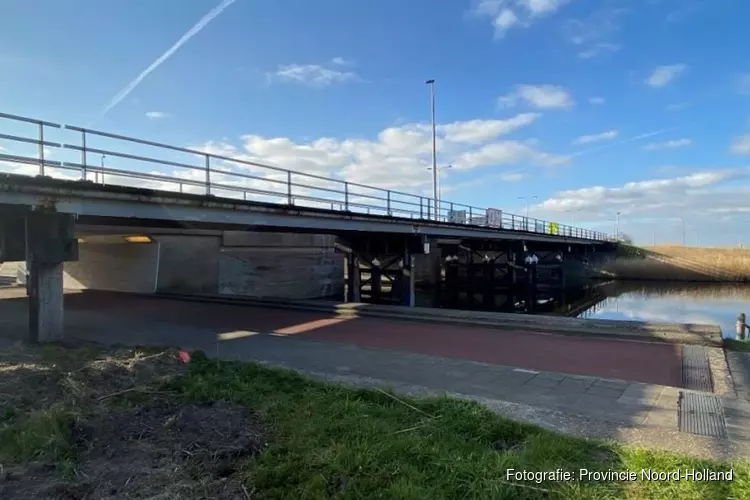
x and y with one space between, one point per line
234 176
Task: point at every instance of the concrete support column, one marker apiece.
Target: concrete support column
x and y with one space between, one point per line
407 281
353 279
50 241
45 289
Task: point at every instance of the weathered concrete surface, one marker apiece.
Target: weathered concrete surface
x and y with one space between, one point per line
46 322
292 266
123 267
280 265
189 263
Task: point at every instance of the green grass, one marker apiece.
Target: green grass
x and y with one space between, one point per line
332 442
42 435
327 441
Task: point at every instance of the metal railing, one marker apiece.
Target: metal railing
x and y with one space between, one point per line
202 172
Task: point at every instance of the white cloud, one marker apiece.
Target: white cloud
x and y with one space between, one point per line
157 115
596 100
505 14
673 144
588 139
741 145
341 61
598 49
538 96
594 34
663 75
711 200
312 75
644 196
507 153
512 176
504 20
540 7
476 131
398 157
677 106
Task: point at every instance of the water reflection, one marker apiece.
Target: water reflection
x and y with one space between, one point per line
662 302
707 303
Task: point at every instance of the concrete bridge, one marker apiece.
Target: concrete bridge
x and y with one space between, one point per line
223 234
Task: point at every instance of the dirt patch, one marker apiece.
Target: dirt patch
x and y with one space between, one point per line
160 451
33 378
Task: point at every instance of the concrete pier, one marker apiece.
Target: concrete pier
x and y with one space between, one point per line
46 317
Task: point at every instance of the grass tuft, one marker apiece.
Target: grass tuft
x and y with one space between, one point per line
40 435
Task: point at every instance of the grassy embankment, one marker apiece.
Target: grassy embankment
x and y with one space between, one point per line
678 263
323 441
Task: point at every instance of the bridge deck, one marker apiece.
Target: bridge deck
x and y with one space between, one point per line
97 204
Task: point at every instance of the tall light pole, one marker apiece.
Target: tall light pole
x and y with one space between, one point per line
528 199
617 226
431 83
439 192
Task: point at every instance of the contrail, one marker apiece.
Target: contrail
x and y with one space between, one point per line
166 55
625 141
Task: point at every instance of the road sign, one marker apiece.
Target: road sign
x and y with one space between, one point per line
494 217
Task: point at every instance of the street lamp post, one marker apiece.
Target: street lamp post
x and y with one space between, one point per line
528 199
439 192
102 169
617 226
431 83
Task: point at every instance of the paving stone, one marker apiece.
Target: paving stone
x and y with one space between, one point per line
550 376
540 381
620 385
573 384
515 378
605 392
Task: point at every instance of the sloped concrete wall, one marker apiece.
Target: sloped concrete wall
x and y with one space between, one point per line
121 267
299 266
189 263
293 266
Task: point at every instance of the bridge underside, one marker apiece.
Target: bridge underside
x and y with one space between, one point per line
41 221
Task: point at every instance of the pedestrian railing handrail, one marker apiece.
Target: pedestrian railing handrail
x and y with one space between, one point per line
218 175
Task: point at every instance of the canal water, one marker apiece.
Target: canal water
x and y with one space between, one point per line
706 303
662 302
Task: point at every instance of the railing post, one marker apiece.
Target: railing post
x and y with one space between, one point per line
83 156
346 196
388 195
41 149
208 175
471 218
289 187
421 211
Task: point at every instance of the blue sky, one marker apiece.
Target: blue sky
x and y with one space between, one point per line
594 106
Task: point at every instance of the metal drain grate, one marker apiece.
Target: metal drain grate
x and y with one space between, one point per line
701 414
696 372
